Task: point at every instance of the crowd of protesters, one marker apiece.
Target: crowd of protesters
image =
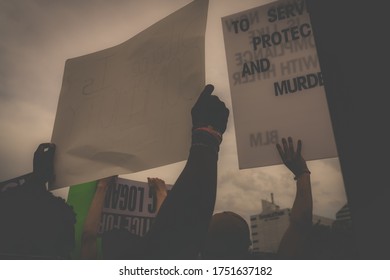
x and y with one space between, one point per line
35 224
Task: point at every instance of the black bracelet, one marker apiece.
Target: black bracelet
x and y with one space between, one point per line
303 172
203 138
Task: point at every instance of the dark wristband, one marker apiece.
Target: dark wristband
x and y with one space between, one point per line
300 174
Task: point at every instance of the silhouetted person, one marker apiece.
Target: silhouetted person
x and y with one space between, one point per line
35 224
228 236
183 220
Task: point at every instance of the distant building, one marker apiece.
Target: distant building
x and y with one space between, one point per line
268 227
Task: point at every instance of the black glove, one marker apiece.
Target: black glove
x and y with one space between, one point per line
209 111
43 167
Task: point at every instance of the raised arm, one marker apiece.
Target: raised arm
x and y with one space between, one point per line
292 245
183 219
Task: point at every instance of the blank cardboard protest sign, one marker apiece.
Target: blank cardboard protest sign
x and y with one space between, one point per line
127 108
276 84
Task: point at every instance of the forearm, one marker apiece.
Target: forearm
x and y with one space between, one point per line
293 243
301 212
194 190
186 212
197 183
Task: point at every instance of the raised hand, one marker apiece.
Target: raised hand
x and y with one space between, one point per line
209 111
291 158
158 187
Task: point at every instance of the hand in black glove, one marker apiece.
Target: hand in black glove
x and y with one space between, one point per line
209 111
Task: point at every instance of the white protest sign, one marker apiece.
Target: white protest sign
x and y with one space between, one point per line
276 84
129 205
127 108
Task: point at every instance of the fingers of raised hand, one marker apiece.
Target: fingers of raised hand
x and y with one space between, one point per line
299 147
207 91
291 147
286 149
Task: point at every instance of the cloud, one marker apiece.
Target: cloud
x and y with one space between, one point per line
30 126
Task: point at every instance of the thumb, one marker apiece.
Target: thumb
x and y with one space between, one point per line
207 91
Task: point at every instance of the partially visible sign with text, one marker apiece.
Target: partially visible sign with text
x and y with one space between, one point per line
130 205
276 83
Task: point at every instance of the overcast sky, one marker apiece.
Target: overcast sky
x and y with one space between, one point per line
38 36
